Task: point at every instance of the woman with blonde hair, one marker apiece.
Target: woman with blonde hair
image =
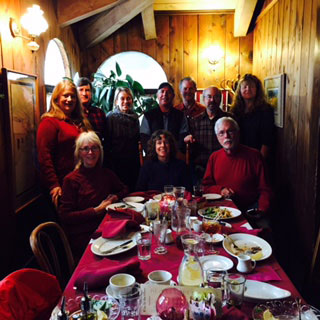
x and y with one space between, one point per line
57 132
123 136
87 191
254 114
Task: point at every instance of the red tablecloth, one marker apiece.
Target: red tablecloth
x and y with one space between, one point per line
171 262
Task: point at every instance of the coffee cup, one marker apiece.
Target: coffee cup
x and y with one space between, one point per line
169 236
197 225
122 283
160 277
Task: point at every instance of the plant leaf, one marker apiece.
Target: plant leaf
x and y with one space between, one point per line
122 83
103 93
118 70
129 79
138 87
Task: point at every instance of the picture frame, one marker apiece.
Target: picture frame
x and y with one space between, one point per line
21 112
275 93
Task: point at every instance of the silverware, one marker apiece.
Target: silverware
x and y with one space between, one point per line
234 243
117 247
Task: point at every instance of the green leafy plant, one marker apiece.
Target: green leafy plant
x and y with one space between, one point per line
105 87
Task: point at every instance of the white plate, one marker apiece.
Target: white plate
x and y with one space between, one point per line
248 240
133 199
235 212
212 196
216 263
100 245
136 206
260 291
157 196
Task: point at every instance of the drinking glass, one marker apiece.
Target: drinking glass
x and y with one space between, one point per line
210 227
130 304
152 211
144 240
234 289
198 191
168 189
160 232
179 193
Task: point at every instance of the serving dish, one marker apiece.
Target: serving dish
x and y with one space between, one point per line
234 212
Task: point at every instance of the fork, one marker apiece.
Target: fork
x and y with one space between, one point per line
233 242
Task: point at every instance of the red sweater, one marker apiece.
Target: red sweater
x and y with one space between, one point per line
82 190
55 143
244 172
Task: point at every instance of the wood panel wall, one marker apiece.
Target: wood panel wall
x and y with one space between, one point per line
15 55
285 42
179 47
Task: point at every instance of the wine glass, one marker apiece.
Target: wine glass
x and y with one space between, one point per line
160 231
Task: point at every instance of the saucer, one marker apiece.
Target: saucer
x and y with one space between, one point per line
110 293
172 283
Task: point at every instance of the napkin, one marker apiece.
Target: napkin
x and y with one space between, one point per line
119 213
96 274
234 314
264 273
113 228
235 229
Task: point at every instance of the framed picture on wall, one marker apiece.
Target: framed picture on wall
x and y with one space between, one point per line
275 92
20 117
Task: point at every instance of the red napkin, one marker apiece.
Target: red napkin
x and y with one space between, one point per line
118 214
234 314
97 273
235 229
114 228
264 273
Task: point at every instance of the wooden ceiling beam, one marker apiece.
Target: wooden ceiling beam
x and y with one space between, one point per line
106 23
192 5
242 16
69 12
149 24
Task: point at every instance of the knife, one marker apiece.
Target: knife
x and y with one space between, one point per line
117 247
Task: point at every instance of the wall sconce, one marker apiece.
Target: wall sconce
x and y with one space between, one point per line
34 22
214 54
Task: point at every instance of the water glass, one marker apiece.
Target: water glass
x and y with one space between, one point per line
130 304
168 189
198 191
160 232
215 279
144 240
234 289
152 210
179 193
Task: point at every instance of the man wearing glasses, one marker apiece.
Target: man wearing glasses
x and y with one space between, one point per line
202 139
237 171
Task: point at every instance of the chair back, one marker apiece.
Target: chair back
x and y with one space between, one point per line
52 251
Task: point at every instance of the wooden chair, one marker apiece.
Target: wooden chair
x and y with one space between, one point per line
52 251
141 153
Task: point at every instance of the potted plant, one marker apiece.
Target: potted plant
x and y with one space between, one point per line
105 87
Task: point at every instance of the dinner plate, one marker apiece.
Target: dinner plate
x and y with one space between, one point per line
100 245
285 309
247 240
216 263
157 196
212 196
130 205
260 291
133 199
235 212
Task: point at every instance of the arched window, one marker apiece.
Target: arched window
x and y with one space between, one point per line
138 65
56 66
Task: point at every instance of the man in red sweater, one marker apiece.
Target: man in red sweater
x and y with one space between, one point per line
237 171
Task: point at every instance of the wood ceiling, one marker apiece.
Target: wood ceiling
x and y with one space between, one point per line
95 20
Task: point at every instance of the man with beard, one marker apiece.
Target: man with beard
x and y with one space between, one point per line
189 106
165 117
237 171
202 139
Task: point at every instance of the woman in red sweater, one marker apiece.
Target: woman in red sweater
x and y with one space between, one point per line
86 192
56 136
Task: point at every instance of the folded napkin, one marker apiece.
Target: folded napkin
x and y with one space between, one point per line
264 273
129 214
233 314
235 229
96 274
114 228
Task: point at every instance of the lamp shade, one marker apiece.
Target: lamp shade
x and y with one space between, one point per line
33 21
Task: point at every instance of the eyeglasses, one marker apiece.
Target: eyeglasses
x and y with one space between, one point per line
229 132
93 149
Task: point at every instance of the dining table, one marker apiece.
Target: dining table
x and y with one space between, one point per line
268 270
